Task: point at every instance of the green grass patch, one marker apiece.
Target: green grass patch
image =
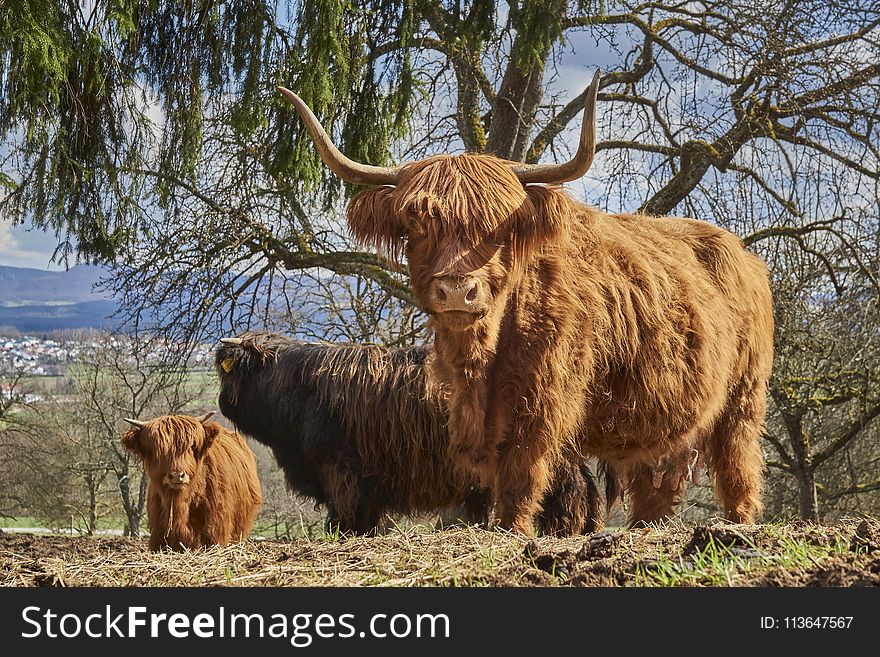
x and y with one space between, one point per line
717 564
103 524
713 565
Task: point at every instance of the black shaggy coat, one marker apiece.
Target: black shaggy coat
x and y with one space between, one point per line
358 429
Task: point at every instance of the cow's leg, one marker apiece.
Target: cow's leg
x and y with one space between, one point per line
471 446
334 523
654 491
735 456
239 525
572 504
370 514
341 492
369 522
206 525
476 507
157 521
246 520
594 520
157 541
522 478
223 534
473 510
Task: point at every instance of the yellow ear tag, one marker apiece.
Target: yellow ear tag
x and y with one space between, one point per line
226 364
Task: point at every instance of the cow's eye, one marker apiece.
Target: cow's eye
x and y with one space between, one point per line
415 227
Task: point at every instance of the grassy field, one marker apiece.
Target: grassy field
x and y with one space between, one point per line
264 528
45 384
201 385
846 553
77 525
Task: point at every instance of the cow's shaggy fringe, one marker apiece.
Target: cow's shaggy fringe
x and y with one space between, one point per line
646 342
222 497
358 429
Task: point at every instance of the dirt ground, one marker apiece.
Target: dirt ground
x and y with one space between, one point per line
845 553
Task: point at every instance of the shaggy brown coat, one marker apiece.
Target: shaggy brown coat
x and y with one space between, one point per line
358 429
646 342
203 484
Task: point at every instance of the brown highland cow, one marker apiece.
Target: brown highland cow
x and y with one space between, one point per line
203 485
648 341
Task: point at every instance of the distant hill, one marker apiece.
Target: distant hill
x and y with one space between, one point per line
40 301
22 285
35 300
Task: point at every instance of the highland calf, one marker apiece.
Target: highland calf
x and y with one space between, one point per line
203 485
356 428
645 342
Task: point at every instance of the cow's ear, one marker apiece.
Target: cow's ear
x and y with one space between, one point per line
131 440
543 217
212 430
374 221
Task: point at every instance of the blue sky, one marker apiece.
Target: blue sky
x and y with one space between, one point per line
24 247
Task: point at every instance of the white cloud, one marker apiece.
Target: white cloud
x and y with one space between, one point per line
18 248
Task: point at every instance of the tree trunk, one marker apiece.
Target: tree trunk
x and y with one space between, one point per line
808 496
133 507
467 114
134 523
804 471
93 506
141 504
513 114
132 528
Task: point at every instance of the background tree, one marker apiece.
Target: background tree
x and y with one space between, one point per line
825 393
150 136
14 391
57 469
20 459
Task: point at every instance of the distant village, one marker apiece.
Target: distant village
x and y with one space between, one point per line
50 356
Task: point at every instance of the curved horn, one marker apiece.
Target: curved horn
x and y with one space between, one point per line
136 423
231 340
206 417
348 170
580 163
